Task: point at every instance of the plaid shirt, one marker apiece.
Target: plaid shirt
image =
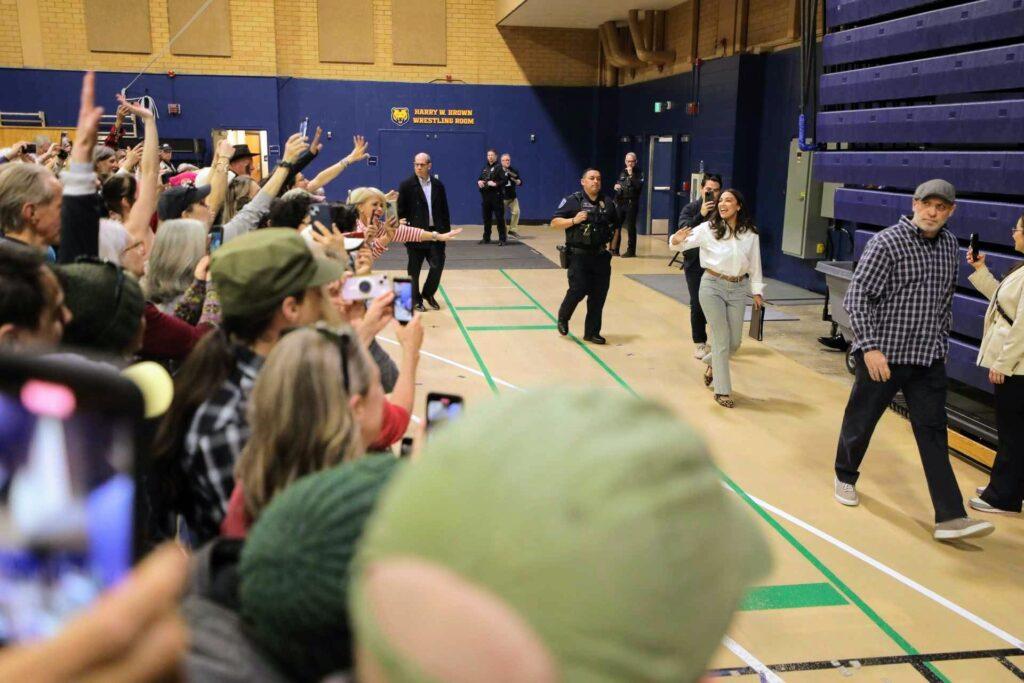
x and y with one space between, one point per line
213 444
901 295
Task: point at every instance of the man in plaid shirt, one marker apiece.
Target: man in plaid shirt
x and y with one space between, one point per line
900 308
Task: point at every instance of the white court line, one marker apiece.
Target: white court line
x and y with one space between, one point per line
457 365
906 581
763 672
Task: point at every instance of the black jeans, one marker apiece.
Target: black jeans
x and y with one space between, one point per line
434 255
627 213
494 210
590 276
924 388
698 323
1006 487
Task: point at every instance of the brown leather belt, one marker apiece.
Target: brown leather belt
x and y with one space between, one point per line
727 278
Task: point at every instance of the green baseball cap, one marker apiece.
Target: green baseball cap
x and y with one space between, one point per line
256 271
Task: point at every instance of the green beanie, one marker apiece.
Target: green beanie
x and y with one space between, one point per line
294 568
106 305
603 525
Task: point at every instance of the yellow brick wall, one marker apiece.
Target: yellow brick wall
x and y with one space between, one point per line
478 51
10 46
767 21
279 37
252 37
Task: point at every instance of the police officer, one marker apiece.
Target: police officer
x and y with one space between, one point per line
627 199
589 220
491 180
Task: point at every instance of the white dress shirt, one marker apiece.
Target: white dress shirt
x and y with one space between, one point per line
428 188
733 256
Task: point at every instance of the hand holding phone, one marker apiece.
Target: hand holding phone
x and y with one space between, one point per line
216 238
973 248
304 126
403 299
442 408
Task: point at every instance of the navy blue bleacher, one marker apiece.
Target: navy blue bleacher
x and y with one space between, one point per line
993 221
997 68
840 12
983 172
1000 122
962 364
975 22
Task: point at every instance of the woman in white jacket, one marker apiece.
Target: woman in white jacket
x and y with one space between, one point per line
1002 352
730 253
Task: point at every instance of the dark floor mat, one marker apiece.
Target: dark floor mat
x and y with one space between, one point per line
468 255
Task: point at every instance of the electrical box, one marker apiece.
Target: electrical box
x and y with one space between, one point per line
804 230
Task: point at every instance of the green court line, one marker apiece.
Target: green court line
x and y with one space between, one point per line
497 308
597 359
792 596
808 555
469 342
506 328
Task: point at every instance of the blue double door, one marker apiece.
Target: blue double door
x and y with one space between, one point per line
457 157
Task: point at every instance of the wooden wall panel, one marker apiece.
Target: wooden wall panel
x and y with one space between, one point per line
418 30
208 36
346 31
118 26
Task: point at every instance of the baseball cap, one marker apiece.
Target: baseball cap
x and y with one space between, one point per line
936 188
165 147
174 201
255 272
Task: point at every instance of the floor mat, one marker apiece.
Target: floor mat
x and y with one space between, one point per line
463 254
674 286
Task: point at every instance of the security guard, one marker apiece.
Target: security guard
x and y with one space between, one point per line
589 219
627 199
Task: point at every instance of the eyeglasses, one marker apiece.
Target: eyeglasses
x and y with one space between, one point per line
340 339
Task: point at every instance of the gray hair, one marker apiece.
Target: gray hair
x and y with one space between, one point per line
103 152
423 154
22 184
295 193
179 245
632 154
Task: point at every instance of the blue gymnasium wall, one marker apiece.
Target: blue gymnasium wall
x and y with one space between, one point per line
564 121
920 90
748 111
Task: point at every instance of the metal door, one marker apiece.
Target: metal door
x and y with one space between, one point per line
660 189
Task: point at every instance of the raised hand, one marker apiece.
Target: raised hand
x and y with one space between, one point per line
132 108
332 240
294 148
977 261
88 121
391 196
359 147
448 236
316 145
225 148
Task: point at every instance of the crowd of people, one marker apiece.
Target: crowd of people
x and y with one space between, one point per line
289 541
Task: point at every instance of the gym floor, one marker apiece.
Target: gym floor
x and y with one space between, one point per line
859 593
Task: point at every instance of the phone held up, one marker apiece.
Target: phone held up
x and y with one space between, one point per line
403 299
216 238
973 248
70 437
365 287
442 408
304 127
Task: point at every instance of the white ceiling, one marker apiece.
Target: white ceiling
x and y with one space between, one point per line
577 13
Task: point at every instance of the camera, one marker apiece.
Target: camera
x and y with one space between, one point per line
365 287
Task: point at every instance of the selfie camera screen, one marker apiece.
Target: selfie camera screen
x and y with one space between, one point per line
442 410
66 506
403 301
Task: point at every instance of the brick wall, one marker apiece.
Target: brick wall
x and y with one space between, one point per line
279 37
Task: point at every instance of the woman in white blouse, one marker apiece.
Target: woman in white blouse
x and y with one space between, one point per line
730 253
1002 352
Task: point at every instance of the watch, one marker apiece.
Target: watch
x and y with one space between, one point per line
285 164
434 234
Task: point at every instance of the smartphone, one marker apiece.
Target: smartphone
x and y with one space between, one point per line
405 450
216 238
304 126
391 210
30 148
63 138
442 408
403 299
70 435
973 248
320 212
709 196
365 287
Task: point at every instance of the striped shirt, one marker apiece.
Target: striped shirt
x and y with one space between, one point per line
404 233
900 298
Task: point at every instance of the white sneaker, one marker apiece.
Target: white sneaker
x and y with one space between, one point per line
981 506
962 527
700 351
847 493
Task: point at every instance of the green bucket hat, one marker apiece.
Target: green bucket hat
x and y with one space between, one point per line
604 527
256 271
294 567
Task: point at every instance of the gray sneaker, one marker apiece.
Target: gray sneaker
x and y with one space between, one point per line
962 527
981 506
846 493
980 490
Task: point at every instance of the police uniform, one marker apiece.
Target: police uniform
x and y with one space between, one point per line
628 200
590 262
491 202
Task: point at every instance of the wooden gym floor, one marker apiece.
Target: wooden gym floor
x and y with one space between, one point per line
861 594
